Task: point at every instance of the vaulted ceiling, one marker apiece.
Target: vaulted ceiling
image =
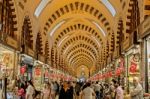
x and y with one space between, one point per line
79 32
78 29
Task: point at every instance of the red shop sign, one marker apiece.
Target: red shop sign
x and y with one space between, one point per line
133 67
118 71
37 71
23 69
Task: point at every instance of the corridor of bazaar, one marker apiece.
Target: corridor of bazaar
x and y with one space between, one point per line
74 49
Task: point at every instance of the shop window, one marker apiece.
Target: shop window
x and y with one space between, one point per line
67 8
57 13
147 7
7 18
76 5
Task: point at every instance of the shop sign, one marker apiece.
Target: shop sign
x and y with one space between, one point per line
118 72
133 67
30 52
12 42
23 69
37 72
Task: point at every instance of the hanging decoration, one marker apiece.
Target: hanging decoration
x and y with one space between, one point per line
133 67
118 72
23 69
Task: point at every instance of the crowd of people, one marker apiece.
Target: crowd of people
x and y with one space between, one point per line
76 90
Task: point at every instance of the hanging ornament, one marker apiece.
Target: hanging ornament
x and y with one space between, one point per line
37 72
118 72
133 67
23 69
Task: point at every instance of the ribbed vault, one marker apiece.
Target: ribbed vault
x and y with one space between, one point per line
78 31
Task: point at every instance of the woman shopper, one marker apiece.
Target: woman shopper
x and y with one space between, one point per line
64 92
30 90
21 92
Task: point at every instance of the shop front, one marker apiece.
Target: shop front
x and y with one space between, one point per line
132 61
144 38
8 62
26 68
40 74
119 72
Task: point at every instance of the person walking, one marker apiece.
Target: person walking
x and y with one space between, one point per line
70 90
119 91
21 92
46 92
87 92
30 90
137 92
64 92
97 90
77 89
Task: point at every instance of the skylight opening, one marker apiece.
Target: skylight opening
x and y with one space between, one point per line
40 7
97 25
109 7
56 27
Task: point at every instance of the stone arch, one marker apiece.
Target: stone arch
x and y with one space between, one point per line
8 19
120 36
39 46
77 38
76 6
76 27
27 35
47 51
133 16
